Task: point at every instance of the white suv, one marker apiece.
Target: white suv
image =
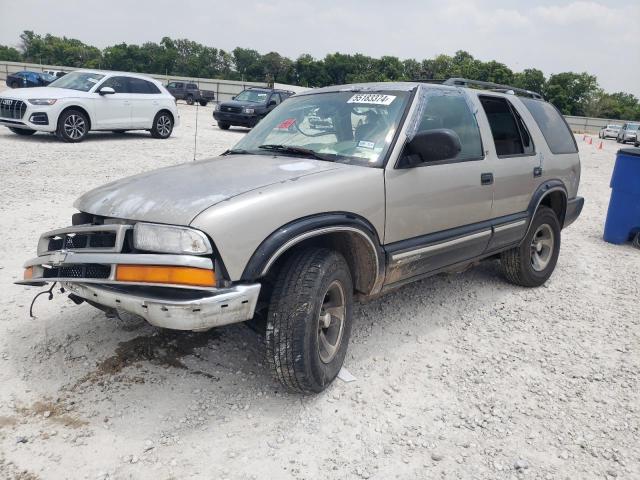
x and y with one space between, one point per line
90 100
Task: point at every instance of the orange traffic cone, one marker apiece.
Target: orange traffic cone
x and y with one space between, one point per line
600 146
589 140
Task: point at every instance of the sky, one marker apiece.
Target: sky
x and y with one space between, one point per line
602 38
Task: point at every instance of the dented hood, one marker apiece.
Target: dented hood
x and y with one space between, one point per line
176 195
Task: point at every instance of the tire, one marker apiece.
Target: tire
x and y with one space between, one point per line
223 126
162 125
22 131
299 345
532 262
203 103
636 240
15 85
73 126
189 99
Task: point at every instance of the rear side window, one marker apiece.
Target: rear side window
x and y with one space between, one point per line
192 86
552 125
137 85
509 132
452 112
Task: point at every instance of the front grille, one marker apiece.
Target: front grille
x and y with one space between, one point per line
232 109
12 108
85 270
82 240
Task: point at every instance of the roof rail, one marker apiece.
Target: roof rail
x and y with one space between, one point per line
496 87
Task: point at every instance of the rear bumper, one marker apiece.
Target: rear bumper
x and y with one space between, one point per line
574 208
203 311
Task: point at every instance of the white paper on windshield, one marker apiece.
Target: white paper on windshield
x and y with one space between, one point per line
372 98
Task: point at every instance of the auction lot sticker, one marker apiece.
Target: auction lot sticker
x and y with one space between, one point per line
372 98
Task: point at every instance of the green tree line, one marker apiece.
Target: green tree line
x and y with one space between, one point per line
573 93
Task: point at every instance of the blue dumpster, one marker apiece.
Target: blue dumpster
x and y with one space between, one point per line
623 217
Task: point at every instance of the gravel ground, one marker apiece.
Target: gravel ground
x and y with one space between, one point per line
459 376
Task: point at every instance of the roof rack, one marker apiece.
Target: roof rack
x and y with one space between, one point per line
495 87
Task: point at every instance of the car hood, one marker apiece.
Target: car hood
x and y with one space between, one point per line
176 195
40 92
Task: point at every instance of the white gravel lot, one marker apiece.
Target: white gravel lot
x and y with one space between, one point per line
459 376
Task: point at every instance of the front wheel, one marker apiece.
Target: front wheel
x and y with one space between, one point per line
223 126
162 125
22 131
203 103
532 262
309 320
73 126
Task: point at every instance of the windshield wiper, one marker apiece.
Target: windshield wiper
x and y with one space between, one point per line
236 151
296 151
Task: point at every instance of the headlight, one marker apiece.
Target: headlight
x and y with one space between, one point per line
42 101
249 110
169 239
216 107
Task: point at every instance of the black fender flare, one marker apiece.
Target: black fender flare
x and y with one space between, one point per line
291 234
543 190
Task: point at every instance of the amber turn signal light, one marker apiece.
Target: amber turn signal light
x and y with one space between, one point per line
197 277
28 273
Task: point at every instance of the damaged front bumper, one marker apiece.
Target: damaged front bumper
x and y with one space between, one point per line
176 310
86 261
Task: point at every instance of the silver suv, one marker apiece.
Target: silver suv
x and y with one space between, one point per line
339 194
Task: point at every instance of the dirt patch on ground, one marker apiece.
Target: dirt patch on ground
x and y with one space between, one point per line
56 412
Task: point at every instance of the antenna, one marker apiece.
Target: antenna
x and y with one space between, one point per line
195 135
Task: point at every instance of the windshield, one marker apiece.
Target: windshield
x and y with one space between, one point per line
614 127
347 127
47 77
82 81
253 96
633 127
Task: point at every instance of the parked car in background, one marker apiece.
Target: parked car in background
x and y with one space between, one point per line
190 93
248 107
87 100
306 215
55 73
609 131
628 133
27 79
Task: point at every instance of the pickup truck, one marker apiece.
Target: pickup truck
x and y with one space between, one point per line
338 195
190 93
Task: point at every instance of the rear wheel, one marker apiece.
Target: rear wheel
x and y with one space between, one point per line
309 319
203 103
14 85
532 262
162 125
22 131
73 126
189 99
223 126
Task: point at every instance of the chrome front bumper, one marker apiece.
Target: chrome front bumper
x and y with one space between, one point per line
216 308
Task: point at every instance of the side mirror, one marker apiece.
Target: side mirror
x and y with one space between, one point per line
233 98
272 103
106 91
431 146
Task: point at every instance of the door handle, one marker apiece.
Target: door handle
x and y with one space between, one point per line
537 172
486 178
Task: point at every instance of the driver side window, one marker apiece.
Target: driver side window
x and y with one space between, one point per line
119 84
451 111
